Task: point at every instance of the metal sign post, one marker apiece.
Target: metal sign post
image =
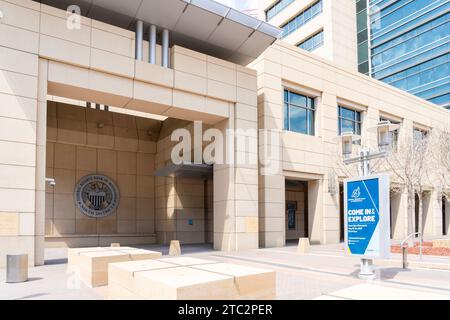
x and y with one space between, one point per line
366 270
366 207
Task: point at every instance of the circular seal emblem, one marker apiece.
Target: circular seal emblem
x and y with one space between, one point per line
96 196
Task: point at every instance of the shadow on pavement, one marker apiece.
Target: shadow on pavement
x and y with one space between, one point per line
35 278
390 273
31 296
382 273
185 249
55 261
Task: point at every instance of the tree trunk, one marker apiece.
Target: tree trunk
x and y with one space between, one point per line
420 197
410 213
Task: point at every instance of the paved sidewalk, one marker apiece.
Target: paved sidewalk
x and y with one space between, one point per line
323 273
327 269
379 292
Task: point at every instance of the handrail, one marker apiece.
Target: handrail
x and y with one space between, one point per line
405 250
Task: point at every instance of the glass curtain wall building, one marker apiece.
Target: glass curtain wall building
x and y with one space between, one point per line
405 43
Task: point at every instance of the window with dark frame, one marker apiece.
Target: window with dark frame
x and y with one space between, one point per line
349 120
299 113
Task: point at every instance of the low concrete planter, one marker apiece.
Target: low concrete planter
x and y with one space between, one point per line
187 279
92 263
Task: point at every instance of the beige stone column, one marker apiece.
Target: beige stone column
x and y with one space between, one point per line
406 130
272 216
18 114
405 134
331 204
315 211
165 195
342 28
235 182
331 212
399 209
224 188
272 211
432 214
370 119
246 155
41 145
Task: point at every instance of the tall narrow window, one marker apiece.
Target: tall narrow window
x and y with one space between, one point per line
419 134
298 113
394 134
349 121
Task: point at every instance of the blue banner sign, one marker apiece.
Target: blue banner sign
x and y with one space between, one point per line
366 216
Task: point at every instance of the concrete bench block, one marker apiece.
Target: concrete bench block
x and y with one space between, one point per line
250 283
117 292
92 263
94 266
73 253
184 283
189 278
123 273
140 254
186 261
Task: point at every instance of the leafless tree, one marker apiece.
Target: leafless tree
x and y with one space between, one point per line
417 163
440 152
410 166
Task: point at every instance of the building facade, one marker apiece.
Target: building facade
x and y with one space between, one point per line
325 27
89 114
62 74
403 43
409 46
312 101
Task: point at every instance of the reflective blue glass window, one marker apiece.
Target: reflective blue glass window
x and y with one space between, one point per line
349 120
407 43
442 100
312 43
414 20
397 11
410 46
277 8
302 18
299 113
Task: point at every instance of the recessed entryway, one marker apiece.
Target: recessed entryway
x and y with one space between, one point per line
296 209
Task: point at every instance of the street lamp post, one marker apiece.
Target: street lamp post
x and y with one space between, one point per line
384 129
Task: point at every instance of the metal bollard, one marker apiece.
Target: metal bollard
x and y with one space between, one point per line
404 257
16 268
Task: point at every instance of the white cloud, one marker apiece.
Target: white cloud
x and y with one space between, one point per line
246 6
